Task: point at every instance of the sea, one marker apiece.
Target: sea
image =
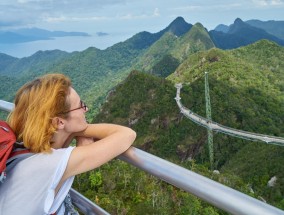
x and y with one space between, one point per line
68 44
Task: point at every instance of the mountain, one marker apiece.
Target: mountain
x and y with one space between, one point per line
223 28
18 71
273 27
196 39
246 93
94 72
178 27
39 61
164 56
33 34
241 34
6 61
87 68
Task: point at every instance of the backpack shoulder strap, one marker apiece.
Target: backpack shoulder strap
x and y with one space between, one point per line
15 160
19 153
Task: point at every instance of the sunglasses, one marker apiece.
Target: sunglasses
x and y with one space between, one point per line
82 106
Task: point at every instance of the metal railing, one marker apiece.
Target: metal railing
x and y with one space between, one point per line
206 189
85 205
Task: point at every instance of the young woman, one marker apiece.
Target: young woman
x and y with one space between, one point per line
48 114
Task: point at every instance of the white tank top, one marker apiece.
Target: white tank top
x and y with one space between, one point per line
30 186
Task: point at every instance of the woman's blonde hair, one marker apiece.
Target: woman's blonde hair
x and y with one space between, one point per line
36 104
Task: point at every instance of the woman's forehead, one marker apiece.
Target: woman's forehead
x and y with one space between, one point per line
73 97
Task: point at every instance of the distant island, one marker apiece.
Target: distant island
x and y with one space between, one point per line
101 34
33 34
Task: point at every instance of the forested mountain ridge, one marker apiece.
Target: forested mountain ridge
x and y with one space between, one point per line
36 63
163 57
246 90
244 95
96 71
256 69
6 61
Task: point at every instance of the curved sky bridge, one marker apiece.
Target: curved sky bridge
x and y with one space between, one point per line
209 124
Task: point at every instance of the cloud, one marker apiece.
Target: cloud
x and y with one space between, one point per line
228 5
187 8
31 12
62 18
202 6
92 14
156 12
134 16
265 3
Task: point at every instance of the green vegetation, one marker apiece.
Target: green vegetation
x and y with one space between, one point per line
245 94
130 191
164 56
246 91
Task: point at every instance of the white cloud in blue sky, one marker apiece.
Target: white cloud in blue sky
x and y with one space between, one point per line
135 14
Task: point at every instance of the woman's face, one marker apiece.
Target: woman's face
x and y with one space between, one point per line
76 120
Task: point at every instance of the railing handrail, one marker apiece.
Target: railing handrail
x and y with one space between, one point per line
219 195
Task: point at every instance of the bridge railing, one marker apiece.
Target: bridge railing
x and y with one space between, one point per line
209 124
221 196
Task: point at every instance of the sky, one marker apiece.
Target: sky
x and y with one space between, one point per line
117 20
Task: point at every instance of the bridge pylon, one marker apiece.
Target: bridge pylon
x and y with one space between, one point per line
209 118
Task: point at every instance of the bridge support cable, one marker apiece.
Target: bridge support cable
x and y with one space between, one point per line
206 189
209 117
224 129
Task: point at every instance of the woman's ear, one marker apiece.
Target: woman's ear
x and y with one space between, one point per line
58 123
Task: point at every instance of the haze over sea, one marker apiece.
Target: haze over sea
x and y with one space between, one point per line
69 44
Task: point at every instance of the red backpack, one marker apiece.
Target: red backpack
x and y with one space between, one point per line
7 154
12 152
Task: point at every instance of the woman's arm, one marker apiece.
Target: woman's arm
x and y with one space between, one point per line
112 140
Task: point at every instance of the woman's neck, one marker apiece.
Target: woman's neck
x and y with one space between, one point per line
60 140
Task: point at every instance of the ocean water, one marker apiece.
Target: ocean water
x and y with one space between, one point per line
69 44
